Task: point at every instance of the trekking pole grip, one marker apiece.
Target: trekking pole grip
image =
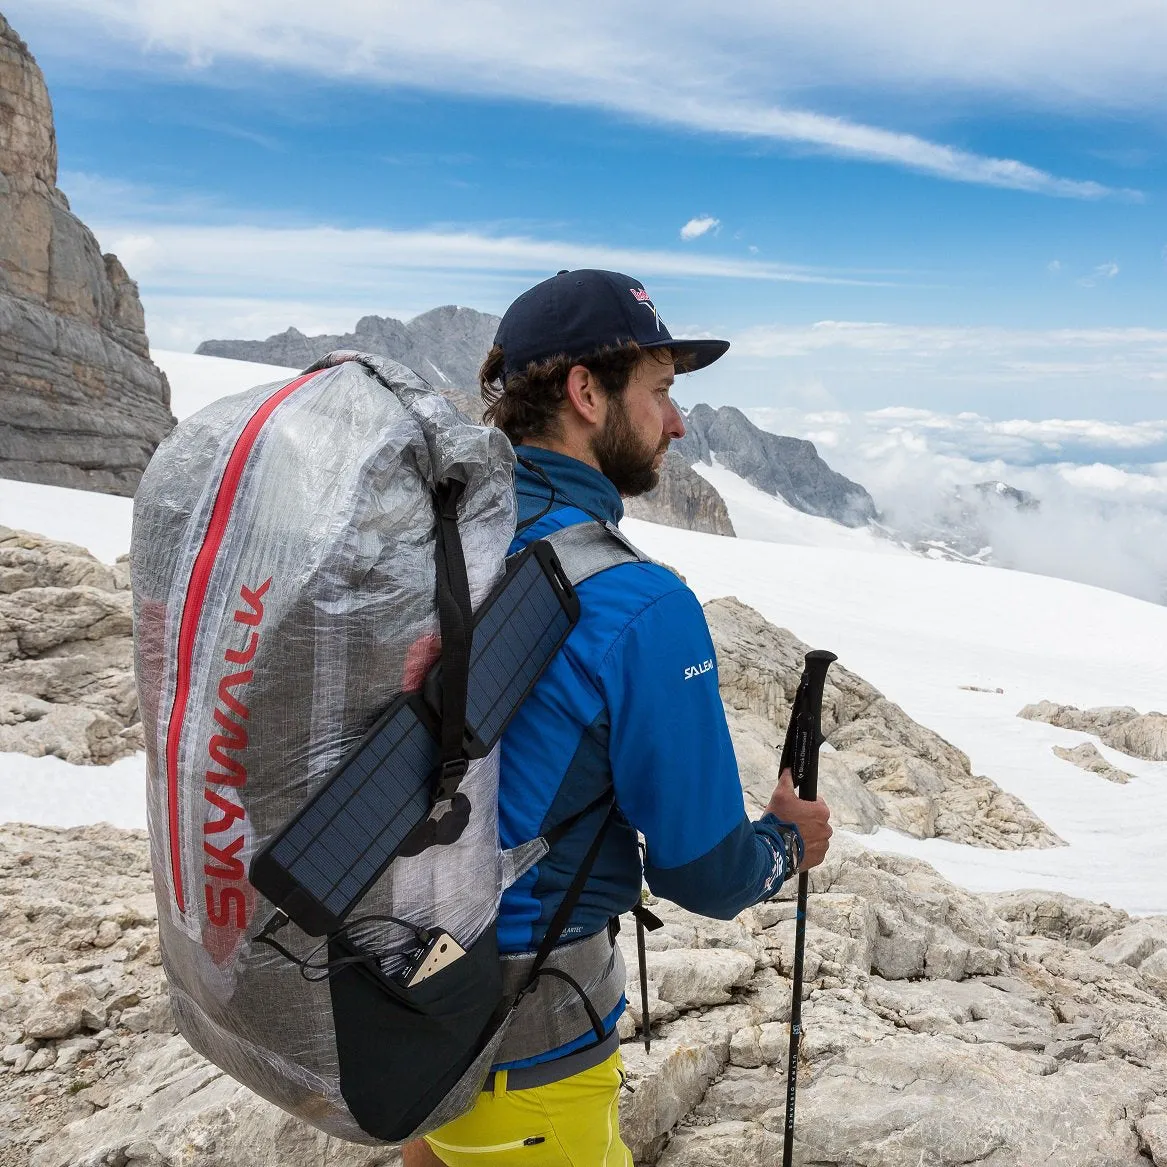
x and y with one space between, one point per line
800 752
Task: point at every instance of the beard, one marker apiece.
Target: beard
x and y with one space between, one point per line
624 458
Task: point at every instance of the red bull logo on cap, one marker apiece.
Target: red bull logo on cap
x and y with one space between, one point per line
642 297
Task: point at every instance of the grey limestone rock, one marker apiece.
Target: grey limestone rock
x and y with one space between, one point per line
1142 735
1134 944
682 499
939 1027
66 653
444 346
1058 916
81 403
788 467
1087 757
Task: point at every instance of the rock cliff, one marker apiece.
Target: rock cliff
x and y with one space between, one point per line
445 346
788 467
81 403
682 499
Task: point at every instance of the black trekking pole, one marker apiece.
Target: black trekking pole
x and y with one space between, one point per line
800 754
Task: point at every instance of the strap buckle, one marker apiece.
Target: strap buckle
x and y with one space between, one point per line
450 775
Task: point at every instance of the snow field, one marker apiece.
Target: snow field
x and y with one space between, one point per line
918 629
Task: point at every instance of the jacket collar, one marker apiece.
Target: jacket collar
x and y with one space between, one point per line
575 484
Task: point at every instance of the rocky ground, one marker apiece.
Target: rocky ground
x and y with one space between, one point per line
66 652
1142 735
941 1028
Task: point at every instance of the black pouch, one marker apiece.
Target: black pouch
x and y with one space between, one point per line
403 1050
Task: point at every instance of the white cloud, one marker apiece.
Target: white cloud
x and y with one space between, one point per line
1102 486
205 256
1000 372
1104 271
214 279
750 75
1054 267
965 353
702 225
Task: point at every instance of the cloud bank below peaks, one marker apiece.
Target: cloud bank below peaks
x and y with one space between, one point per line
1101 486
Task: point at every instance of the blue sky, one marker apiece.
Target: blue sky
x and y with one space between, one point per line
960 210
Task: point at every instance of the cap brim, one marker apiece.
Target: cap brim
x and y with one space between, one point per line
690 355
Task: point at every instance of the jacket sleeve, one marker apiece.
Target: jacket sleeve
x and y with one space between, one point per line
673 766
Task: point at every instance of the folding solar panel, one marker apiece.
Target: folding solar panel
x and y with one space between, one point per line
516 633
325 859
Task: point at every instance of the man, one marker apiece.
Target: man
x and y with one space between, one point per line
579 379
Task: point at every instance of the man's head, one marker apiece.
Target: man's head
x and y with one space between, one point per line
583 364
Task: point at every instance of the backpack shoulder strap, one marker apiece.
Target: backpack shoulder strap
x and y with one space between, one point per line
586 549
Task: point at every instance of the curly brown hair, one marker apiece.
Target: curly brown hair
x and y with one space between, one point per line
528 405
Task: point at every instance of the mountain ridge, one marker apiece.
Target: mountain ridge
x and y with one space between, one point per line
445 345
789 468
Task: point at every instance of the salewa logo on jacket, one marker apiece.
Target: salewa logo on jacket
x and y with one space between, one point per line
706 666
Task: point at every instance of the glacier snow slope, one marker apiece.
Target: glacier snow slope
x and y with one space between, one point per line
919 629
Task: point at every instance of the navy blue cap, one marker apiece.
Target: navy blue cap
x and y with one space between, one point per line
577 312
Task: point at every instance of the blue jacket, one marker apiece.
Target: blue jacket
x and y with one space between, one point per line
630 703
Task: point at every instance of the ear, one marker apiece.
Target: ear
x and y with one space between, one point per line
585 398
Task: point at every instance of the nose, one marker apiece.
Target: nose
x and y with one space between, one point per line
674 423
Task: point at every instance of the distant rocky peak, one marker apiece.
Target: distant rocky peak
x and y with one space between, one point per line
789 468
446 345
1021 499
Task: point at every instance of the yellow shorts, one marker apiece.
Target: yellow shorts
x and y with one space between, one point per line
570 1123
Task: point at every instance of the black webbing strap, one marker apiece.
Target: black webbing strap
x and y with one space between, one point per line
561 828
455 623
567 906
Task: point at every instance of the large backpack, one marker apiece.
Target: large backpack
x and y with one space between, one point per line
286 559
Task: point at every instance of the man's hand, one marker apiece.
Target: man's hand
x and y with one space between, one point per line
813 819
